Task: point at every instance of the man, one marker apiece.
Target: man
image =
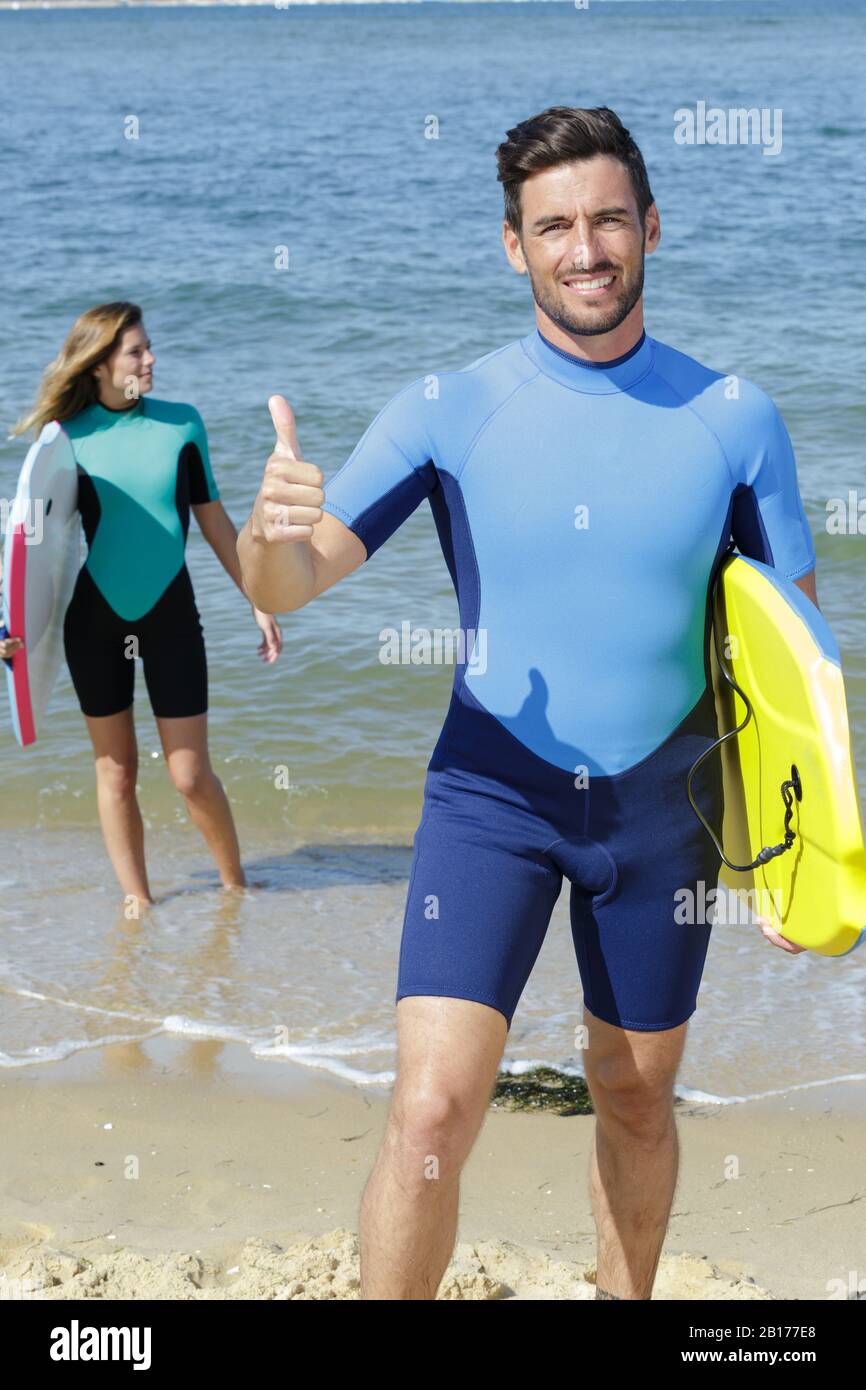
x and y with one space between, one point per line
585 481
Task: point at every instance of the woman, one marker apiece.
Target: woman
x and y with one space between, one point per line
142 465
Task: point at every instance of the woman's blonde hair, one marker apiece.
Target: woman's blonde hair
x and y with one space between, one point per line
68 384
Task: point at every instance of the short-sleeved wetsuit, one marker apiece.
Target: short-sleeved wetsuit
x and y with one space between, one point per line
583 510
139 471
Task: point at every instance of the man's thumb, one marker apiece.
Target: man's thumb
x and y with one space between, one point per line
284 424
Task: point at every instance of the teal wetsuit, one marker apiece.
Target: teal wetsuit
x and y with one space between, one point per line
139 471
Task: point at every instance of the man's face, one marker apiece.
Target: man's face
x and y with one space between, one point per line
582 245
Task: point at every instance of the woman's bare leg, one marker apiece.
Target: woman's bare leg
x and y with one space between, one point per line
184 742
116 755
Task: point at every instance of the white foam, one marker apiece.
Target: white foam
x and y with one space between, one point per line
330 1055
687 1093
308 1057
59 1051
336 1047
179 1025
83 1008
704 1098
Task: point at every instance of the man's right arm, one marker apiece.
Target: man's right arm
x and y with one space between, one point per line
299 541
281 578
289 549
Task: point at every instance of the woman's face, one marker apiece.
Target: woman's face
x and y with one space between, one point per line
128 372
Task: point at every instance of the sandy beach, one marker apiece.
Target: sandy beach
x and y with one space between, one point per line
178 1171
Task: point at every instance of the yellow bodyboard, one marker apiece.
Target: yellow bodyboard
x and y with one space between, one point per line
778 648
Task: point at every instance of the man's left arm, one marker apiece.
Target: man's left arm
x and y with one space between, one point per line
806 582
769 520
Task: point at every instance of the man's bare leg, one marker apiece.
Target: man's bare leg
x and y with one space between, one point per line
448 1054
635 1155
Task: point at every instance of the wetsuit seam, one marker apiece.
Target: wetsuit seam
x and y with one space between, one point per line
329 506
461 682
759 519
564 772
627 771
749 491
801 570
701 421
415 862
193 629
357 523
345 464
124 618
415 469
455 372
488 419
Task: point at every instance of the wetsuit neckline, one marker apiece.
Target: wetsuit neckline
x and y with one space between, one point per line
599 378
107 412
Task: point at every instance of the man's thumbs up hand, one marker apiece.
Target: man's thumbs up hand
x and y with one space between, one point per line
283 416
289 502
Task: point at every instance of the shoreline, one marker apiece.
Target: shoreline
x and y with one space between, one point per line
279 975
523 1084
183 1170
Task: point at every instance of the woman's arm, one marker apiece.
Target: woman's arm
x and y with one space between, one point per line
218 530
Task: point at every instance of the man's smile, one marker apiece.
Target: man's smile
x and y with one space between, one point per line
585 286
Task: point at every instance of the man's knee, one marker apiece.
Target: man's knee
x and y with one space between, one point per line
635 1093
433 1127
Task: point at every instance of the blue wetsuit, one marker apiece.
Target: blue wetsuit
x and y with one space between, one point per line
582 510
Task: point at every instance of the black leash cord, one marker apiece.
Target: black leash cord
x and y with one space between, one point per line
791 786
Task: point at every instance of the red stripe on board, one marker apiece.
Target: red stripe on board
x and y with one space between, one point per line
17 628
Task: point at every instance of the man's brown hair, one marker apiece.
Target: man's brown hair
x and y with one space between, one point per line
560 135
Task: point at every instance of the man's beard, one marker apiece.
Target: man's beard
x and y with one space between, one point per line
586 327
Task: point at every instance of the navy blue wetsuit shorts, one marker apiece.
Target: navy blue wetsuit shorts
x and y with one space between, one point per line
491 853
